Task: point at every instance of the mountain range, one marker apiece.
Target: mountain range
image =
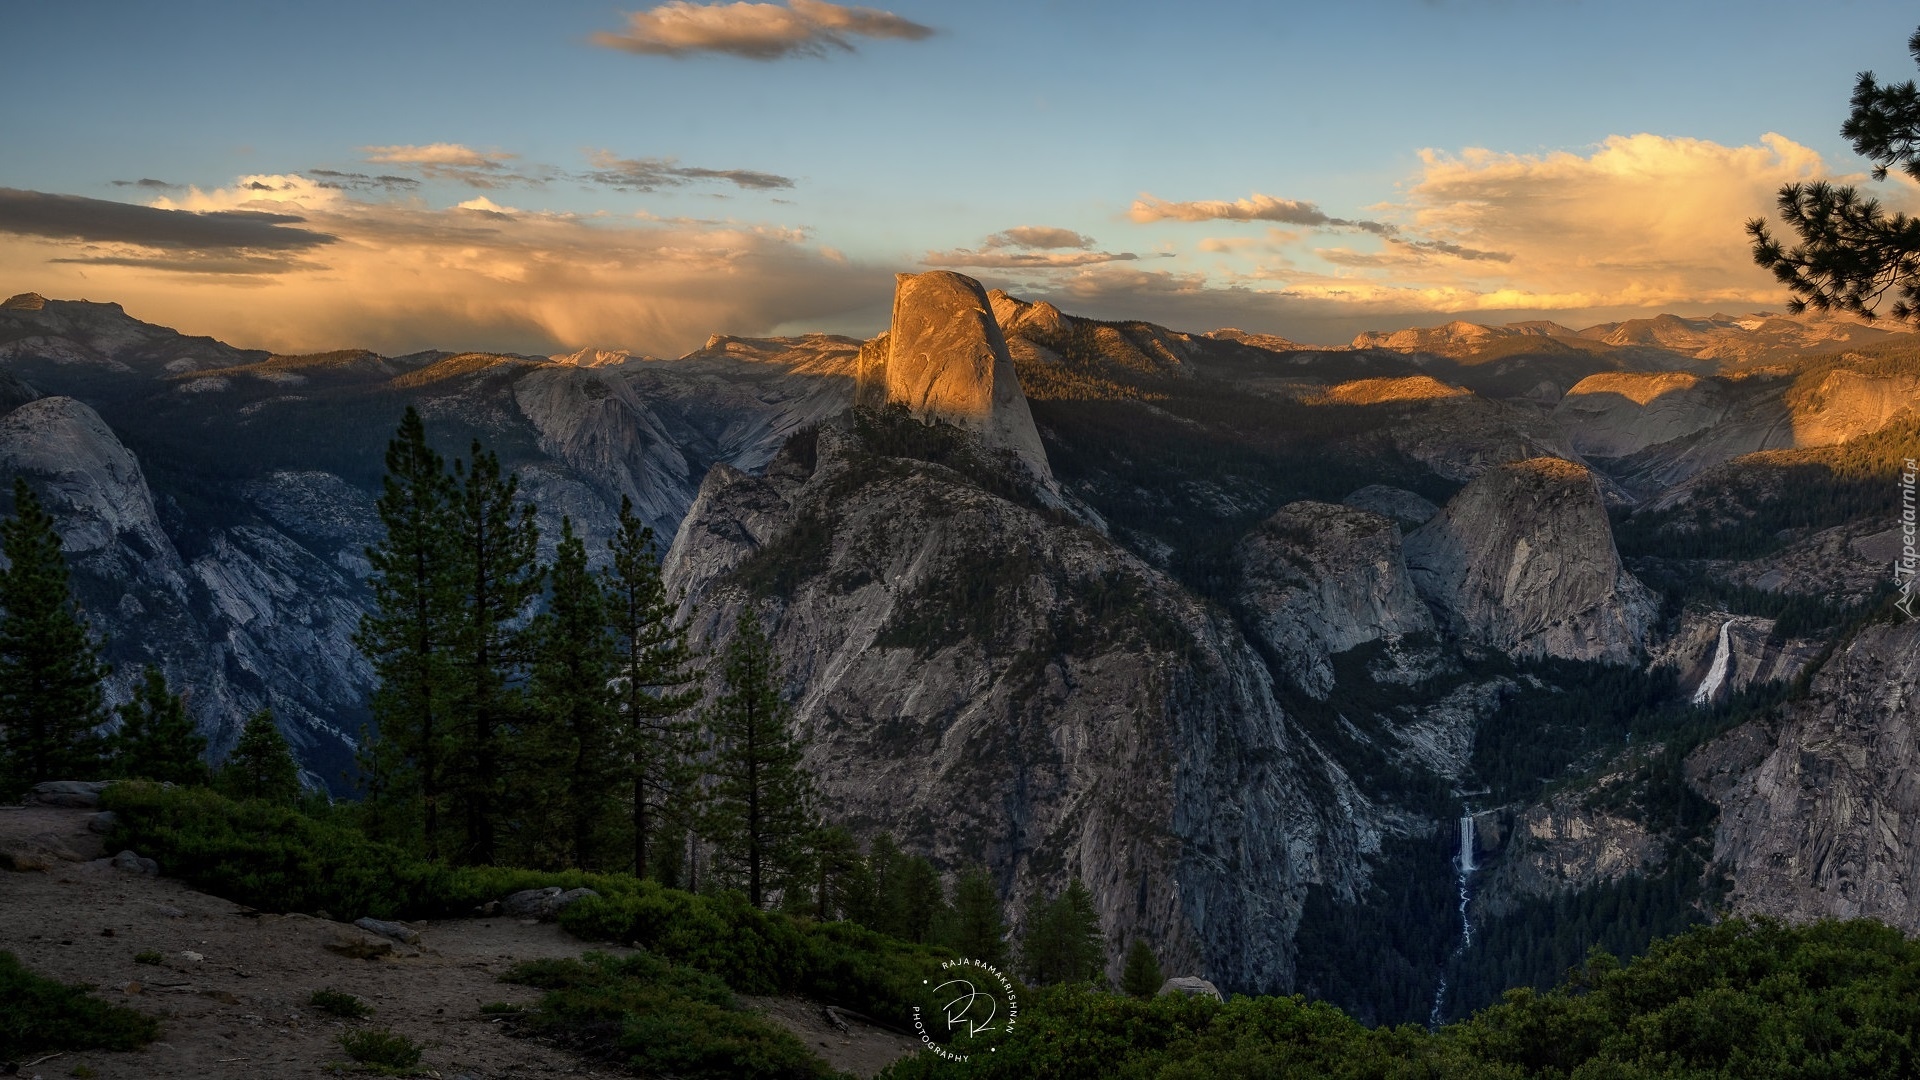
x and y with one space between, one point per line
1297 656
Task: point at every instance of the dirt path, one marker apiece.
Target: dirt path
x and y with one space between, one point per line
232 989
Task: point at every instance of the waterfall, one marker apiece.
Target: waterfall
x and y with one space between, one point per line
1464 867
1717 672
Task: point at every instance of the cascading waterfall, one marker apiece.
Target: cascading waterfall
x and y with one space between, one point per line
1717 671
1464 867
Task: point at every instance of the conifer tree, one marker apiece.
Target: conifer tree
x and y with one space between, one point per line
574 663
1141 977
1063 942
50 669
762 810
977 928
922 905
874 900
261 766
494 542
158 739
408 637
658 683
836 862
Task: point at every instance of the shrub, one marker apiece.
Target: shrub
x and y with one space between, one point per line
39 1015
336 1003
148 956
381 1050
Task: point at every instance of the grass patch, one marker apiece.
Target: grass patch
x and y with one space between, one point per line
41 1016
149 956
382 1051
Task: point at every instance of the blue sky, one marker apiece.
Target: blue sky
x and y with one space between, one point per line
907 150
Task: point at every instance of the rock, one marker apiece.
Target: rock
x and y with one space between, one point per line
137 864
1407 510
405 935
545 904
167 911
68 794
1190 985
947 360
103 822
1616 413
359 946
1321 579
1522 560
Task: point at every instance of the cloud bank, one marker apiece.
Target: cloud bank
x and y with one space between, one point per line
755 31
652 174
1031 247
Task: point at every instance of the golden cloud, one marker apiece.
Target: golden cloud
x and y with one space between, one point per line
755 31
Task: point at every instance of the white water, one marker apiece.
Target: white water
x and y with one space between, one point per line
1464 867
1717 672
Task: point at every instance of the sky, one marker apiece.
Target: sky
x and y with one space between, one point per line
400 174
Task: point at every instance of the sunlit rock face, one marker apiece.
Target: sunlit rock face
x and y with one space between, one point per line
947 360
1522 560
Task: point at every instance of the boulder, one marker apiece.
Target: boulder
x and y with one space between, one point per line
68 794
137 864
359 946
543 904
1192 985
103 822
400 932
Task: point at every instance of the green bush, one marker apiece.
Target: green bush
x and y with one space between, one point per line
149 956
659 1019
381 1050
336 1003
39 1015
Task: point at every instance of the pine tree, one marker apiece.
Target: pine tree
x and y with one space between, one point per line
874 899
575 661
836 861
261 766
762 800
494 543
158 740
50 670
1063 942
1141 977
922 905
658 684
977 928
408 637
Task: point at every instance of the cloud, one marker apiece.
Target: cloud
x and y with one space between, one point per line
652 174
354 181
123 234
1257 208
1033 247
399 275
146 182
755 31
461 164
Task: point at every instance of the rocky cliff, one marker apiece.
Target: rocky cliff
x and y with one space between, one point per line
1522 560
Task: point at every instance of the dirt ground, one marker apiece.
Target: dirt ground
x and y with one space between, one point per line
232 990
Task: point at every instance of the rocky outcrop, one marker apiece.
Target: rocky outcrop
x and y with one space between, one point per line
1522 560
1820 807
1617 413
1755 656
1318 579
1401 506
947 361
1565 844
998 687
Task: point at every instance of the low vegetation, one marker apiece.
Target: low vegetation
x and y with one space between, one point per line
381 1051
41 1016
341 1004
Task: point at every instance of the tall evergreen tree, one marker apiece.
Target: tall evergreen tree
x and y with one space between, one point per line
1141 977
658 683
408 637
1063 942
977 929
836 861
494 543
574 664
261 766
157 739
50 668
923 905
762 800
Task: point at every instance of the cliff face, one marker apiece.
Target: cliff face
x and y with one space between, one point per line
1820 806
1522 560
1321 579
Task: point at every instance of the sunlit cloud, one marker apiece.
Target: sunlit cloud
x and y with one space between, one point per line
1031 247
460 164
1258 207
756 31
397 275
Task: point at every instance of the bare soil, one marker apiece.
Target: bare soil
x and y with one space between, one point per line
231 991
